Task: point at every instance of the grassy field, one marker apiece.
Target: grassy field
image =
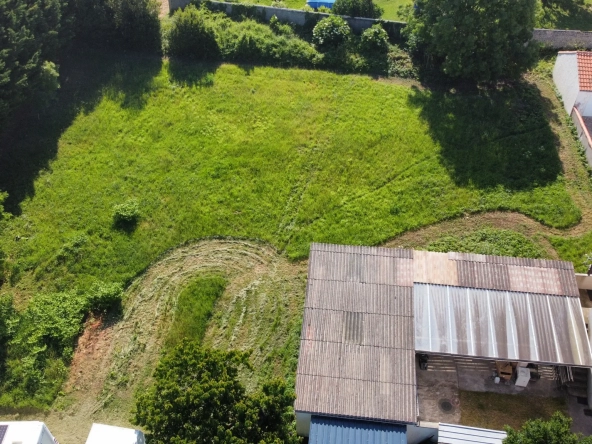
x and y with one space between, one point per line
287 156
494 410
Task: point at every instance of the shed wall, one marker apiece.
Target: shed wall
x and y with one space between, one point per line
584 103
565 76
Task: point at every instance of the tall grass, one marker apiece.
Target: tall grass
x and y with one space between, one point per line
287 156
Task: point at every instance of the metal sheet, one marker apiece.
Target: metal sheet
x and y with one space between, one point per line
496 324
324 430
457 434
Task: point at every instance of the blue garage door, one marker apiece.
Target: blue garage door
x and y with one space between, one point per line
324 430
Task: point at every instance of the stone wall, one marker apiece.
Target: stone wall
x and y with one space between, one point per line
553 38
563 39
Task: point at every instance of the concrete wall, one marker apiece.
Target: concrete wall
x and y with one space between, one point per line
303 423
563 39
565 76
584 103
586 139
584 281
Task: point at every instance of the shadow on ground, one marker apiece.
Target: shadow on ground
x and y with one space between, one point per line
29 142
492 138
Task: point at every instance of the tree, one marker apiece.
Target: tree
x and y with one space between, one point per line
197 397
554 431
357 8
29 38
480 40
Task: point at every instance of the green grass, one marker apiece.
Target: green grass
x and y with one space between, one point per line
574 249
194 308
490 241
578 17
284 155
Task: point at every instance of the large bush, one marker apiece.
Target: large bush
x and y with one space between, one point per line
197 397
331 32
192 35
375 40
357 8
481 40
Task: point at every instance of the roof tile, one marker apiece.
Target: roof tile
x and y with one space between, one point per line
585 70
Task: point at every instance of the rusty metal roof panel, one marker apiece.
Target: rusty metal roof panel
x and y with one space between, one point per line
360 250
500 324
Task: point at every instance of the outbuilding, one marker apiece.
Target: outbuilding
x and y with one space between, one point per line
573 78
25 432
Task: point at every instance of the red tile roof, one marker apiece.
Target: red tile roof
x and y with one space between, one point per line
585 70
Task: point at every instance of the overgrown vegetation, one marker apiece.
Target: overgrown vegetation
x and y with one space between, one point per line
489 241
538 431
197 397
38 343
194 308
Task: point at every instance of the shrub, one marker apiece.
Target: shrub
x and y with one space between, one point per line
324 10
279 4
192 35
126 213
357 8
330 32
375 40
280 28
103 296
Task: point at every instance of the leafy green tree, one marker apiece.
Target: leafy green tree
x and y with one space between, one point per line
197 397
480 40
29 37
554 431
357 8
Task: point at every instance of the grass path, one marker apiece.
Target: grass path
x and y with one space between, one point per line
259 311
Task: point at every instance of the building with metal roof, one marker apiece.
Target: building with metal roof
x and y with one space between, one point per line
369 310
325 430
457 434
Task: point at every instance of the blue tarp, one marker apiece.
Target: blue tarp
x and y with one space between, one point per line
317 4
325 430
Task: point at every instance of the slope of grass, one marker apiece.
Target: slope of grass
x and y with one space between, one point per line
287 156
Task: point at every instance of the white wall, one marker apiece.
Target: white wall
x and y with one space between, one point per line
565 76
303 423
584 103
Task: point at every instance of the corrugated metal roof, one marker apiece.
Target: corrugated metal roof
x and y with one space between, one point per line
357 352
495 272
325 430
498 324
457 434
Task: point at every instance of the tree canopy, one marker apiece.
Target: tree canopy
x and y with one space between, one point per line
481 40
357 8
557 430
197 397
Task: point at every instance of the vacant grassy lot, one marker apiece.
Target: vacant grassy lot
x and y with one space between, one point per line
287 156
494 410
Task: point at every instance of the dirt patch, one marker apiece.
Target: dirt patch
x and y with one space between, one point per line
114 359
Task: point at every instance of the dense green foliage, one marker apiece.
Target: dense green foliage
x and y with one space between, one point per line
126 214
197 397
375 40
29 40
38 343
287 156
194 308
557 430
574 249
357 8
330 33
489 241
205 35
480 40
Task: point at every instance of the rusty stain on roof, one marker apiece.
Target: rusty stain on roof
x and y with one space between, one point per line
585 70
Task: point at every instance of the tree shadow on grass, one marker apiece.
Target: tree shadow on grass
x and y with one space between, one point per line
192 73
30 140
492 138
